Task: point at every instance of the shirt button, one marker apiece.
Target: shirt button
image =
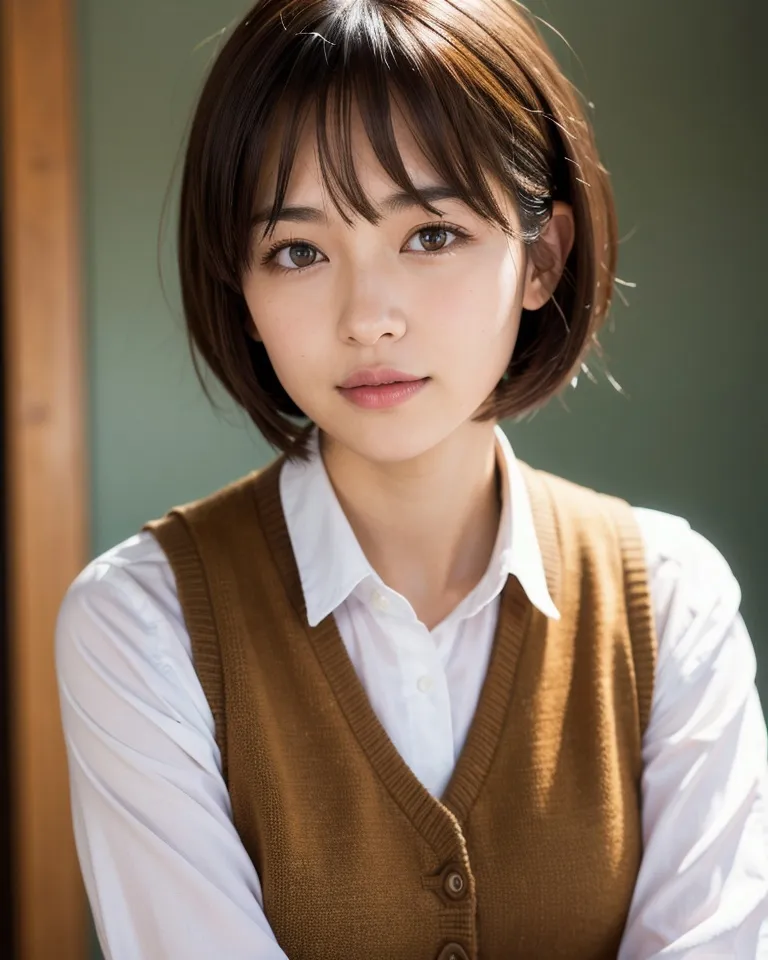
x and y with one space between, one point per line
425 683
453 951
380 602
455 885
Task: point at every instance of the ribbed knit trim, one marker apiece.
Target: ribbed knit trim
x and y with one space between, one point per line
637 593
518 624
642 627
424 811
176 541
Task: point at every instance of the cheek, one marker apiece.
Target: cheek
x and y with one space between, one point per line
478 307
287 329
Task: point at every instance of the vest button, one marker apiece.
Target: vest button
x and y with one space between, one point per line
453 952
455 885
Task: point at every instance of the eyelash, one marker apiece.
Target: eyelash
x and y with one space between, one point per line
268 258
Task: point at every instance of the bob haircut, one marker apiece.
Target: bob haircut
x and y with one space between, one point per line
483 96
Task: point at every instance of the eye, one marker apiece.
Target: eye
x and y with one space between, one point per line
299 256
434 237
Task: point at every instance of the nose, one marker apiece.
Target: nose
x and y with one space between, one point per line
368 316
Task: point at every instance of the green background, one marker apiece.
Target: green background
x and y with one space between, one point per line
681 125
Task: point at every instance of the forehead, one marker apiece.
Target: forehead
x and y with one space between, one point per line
307 182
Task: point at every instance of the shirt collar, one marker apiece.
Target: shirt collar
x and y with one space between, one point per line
315 520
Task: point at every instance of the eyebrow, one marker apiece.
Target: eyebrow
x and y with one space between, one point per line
394 203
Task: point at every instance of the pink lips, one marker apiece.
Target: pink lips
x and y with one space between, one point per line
376 389
374 377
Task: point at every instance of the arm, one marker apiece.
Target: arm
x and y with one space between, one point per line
165 871
702 890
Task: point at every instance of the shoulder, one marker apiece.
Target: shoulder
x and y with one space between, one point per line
122 610
680 562
689 577
130 699
135 569
705 653
693 591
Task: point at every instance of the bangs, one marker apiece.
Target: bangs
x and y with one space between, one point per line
473 129
448 128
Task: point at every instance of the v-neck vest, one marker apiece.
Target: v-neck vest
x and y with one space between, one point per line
533 850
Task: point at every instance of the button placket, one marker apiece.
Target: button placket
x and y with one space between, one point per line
429 710
455 884
451 884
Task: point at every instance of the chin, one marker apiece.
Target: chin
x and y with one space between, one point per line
387 439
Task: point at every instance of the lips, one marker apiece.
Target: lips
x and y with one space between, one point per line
374 377
384 395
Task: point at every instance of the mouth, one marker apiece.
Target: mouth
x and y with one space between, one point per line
378 376
381 389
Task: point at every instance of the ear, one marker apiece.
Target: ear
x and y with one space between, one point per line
547 257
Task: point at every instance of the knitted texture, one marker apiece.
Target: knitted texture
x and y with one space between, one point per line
534 848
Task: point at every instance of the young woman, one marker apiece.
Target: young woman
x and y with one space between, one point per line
399 695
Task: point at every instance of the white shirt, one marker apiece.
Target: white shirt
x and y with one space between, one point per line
165 871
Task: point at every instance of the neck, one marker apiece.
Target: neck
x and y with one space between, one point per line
428 525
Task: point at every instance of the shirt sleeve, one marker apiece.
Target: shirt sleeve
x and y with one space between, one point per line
165 871
702 890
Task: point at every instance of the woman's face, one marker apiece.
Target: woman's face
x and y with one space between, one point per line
437 299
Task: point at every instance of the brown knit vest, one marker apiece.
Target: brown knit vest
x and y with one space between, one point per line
533 851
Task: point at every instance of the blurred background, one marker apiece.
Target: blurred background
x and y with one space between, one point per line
679 108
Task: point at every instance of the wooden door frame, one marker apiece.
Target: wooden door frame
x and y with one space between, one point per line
46 500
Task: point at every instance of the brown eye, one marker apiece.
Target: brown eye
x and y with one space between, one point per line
302 255
433 238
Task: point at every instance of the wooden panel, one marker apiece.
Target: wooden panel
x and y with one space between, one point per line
45 453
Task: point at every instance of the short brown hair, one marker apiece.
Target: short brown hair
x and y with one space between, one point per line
484 96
